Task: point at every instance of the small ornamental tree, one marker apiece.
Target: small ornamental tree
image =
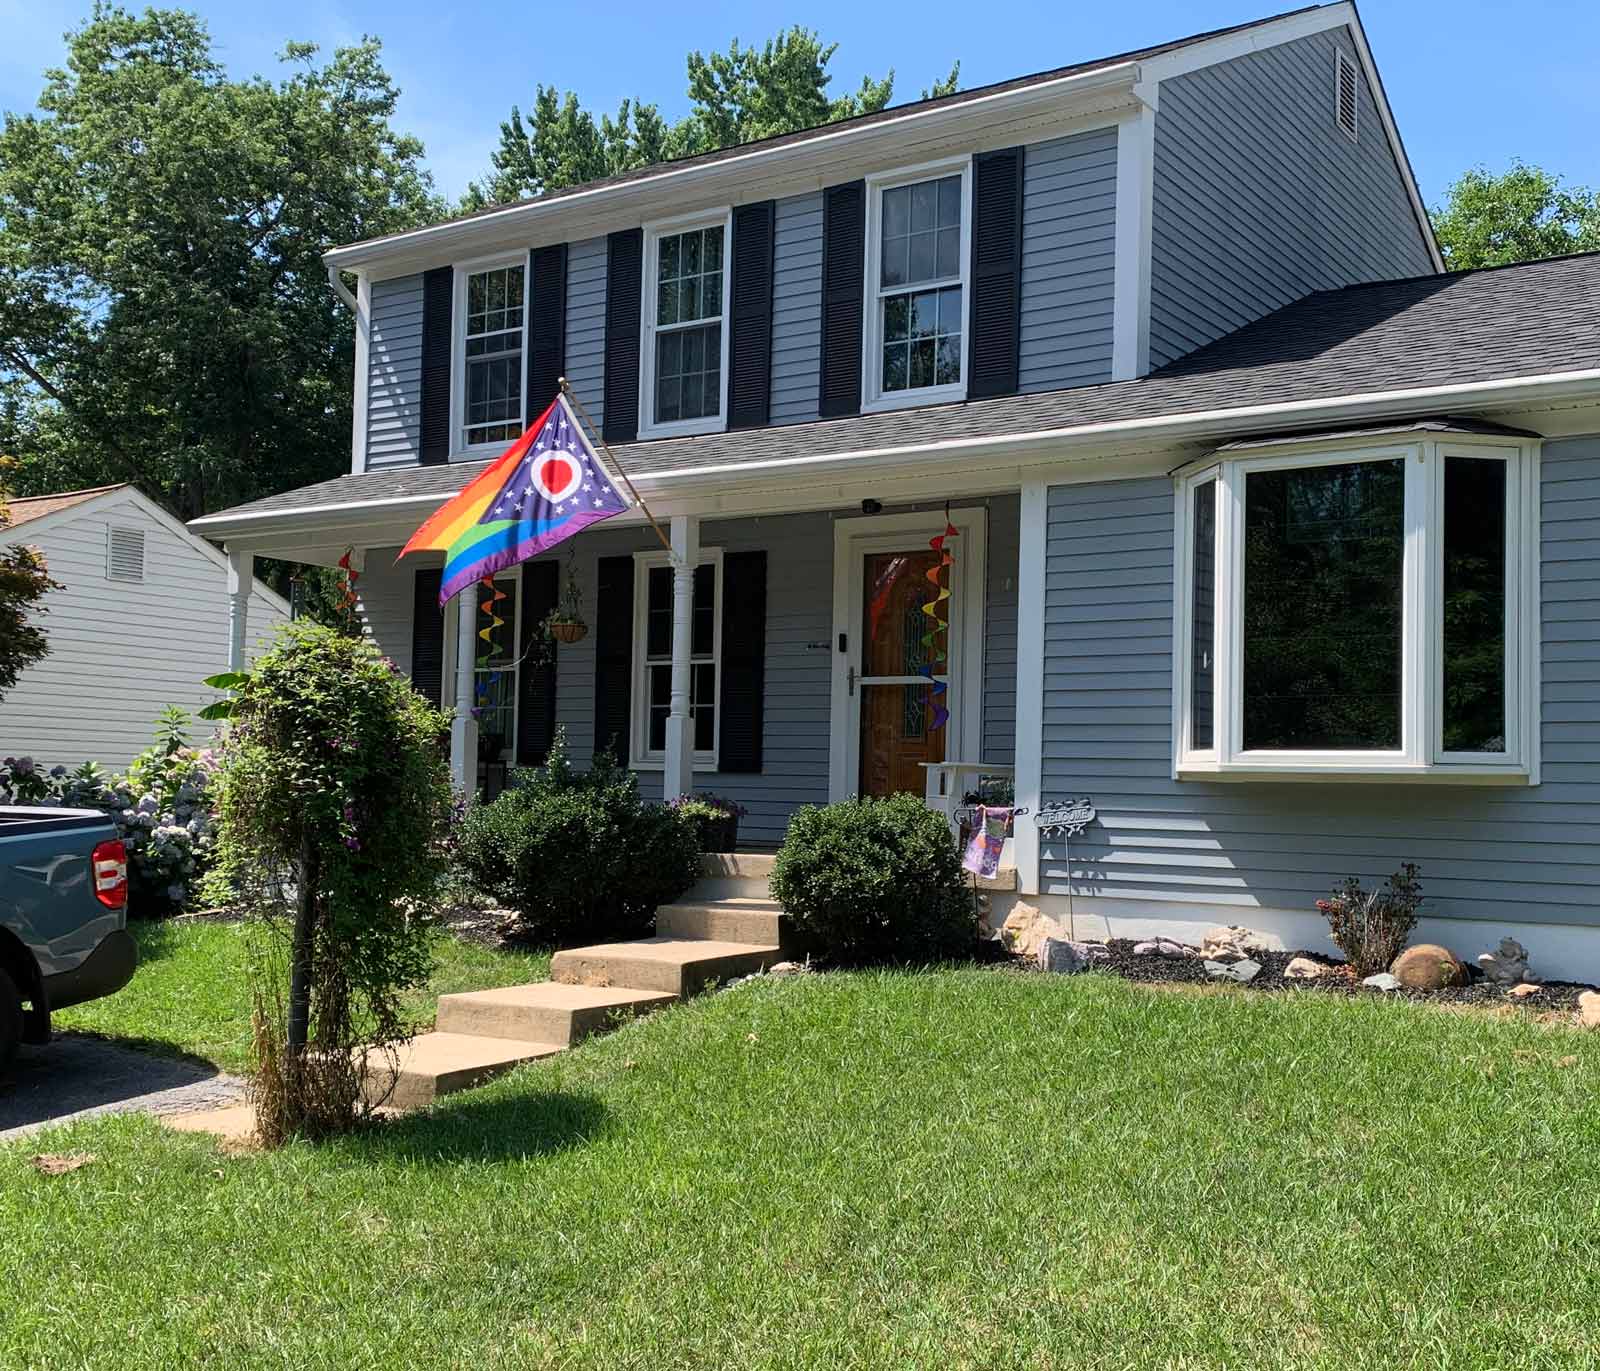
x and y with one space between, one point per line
334 798
23 584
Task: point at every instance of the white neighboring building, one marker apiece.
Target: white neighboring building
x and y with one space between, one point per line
140 621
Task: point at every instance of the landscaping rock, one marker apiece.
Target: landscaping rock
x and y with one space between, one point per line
1161 947
1507 966
1589 1009
1233 942
1427 966
1061 955
1521 992
1026 927
1303 969
1384 980
1244 972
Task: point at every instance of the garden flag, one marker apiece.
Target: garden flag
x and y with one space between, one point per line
547 486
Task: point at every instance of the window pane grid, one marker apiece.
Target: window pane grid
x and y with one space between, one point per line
688 325
919 286
494 355
702 652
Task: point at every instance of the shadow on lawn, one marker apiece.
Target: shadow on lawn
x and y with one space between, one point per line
490 1128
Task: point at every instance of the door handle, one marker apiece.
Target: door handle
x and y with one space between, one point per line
850 681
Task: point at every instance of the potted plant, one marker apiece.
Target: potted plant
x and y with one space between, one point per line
716 818
565 623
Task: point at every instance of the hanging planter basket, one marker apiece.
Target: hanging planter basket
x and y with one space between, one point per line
568 631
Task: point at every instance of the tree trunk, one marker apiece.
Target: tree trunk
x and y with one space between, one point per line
299 1024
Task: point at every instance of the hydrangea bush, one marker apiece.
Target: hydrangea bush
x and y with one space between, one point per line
163 808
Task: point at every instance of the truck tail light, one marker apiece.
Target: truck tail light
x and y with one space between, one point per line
110 863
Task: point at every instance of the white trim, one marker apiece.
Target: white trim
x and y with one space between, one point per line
1130 331
1341 61
852 540
648 326
1048 445
640 757
358 425
460 449
816 161
1420 755
1033 533
873 399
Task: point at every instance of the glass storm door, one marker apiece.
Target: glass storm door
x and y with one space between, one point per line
893 699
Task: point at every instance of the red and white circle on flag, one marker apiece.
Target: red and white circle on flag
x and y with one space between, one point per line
556 475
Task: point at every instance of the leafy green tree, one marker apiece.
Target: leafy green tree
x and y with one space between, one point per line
23 583
164 315
735 97
1520 215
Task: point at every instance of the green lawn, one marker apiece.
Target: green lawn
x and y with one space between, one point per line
957 1168
191 993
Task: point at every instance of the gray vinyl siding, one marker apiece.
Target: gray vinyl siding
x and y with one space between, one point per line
1000 633
1259 198
394 373
385 594
586 325
1068 260
796 308
1499 854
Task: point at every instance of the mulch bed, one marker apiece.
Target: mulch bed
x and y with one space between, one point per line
1150 970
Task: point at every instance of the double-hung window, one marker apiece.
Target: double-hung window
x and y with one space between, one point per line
652 656
684 360
491 325
1367 611
916 299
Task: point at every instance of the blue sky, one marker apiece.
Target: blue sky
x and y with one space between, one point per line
1468 85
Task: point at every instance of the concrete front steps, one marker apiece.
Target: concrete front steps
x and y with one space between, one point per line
727 926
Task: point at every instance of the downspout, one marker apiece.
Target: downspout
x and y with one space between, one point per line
342 291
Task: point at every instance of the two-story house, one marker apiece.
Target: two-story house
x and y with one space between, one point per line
1272 539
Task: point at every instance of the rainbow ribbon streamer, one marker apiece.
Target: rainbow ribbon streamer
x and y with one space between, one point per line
937 610
492 597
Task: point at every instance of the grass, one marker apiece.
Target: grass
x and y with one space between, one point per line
955 1168
191 993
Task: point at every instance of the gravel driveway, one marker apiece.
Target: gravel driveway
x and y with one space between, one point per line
78 1075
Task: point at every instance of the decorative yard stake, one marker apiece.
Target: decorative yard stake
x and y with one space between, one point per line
1069 819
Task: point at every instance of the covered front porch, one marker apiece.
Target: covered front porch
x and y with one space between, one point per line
779 659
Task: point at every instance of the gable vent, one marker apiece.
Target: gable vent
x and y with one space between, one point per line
125 554
1346 94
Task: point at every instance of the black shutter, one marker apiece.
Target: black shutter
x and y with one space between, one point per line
994 342
547 325
844 228
750 346
613 653
624 280
427 637
438 296
536 684
744 656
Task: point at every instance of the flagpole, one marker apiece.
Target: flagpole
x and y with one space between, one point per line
616 466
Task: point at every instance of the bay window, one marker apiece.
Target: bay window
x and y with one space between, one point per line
1361 612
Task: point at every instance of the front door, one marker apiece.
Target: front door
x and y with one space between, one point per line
903 686
905 682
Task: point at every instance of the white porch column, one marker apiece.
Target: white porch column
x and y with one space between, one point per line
1029 776
241 581
679 777
463 727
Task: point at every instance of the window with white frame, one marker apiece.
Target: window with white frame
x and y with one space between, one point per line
684 360
491 314
652 655
917 252
1369 611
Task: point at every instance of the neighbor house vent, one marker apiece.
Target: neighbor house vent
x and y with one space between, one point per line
125 554
1346 94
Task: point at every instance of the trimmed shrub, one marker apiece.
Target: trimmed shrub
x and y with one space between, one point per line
875 881
578 855
1372 930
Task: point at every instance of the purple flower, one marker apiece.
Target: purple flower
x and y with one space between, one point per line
353 843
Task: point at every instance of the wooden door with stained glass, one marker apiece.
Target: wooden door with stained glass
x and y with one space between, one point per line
896 699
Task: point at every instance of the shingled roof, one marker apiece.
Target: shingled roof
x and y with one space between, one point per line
1531 319
26 508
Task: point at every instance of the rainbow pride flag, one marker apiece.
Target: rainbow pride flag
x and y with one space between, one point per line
546 487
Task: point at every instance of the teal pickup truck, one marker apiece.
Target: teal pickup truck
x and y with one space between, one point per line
63 917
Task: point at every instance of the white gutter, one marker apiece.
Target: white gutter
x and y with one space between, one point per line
825 146
343 291
1156 429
